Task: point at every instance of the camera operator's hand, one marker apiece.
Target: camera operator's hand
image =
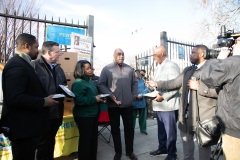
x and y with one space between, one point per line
151 84
159 98
224 53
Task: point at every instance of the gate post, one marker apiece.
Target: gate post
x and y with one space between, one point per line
90 33
163 40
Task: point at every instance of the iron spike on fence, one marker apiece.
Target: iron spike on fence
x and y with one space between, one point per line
22 21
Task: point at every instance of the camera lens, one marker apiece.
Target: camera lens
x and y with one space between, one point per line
212 54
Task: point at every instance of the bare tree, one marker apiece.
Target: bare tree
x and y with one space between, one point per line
10 27
214 14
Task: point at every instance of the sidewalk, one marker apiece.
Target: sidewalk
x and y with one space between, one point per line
143 144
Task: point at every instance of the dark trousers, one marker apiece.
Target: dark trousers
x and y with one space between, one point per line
127 117
167 132
24 149
45 149
88 137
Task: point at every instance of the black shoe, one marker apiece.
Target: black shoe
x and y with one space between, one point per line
157 153
117 156
132 156
170 158
144 133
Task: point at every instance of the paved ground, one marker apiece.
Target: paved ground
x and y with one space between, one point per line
143 144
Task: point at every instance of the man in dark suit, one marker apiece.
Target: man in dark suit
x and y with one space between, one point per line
194 94
26 107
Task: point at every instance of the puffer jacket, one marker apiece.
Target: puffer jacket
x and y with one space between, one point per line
51 85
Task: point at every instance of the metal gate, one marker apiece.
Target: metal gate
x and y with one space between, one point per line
14 24
177 51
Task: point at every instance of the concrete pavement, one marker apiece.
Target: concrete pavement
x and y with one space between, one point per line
143 144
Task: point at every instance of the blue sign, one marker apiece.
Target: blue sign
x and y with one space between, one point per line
181 53
62 35
144 61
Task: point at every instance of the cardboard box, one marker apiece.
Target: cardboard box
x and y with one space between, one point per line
68 106
68 61
70 79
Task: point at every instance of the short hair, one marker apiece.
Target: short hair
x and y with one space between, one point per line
201 46
48 45
143 70
137 70
79 69
25 38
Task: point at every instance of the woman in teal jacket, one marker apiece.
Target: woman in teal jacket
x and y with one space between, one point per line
139 104
86 110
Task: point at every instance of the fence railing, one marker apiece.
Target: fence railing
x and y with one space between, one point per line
12 25
177 51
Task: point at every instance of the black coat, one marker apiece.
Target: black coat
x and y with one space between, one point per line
23 98
50 83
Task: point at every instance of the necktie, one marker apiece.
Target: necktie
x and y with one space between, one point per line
120 66
194 67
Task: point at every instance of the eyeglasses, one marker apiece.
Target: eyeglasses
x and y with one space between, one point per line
120 54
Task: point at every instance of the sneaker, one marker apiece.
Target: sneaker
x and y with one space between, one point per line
157 153
117 156
132 156
144 133
170 158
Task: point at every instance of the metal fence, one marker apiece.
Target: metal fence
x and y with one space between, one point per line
12 25
177 51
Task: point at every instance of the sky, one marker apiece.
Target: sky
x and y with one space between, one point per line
132 25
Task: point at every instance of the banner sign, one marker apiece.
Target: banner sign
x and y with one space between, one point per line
81 43
62 35
66 138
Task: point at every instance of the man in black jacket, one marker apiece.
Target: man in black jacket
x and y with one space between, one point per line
224 73
51 76
25 106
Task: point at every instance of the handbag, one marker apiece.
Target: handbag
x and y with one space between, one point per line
208 132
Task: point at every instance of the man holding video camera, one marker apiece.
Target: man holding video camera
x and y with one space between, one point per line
224 73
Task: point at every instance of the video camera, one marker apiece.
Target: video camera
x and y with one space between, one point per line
224 39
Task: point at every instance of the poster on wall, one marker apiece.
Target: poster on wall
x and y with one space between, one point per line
82 45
